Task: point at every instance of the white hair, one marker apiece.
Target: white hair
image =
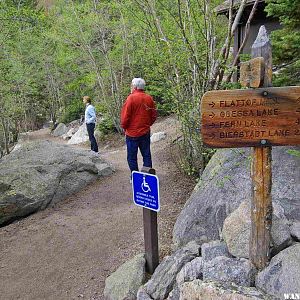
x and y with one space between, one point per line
138 83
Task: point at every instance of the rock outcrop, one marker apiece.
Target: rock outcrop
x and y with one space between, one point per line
237 227
40 174
226 183
204 290
125 282
282 276
234 270
60 130
295 231
214 249
80 136
164 277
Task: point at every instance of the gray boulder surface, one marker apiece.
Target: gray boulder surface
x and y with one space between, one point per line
164 277
282 275
124 283
80 136
60 130
192 270
234 270
208 290
225 183
214 249
295 231
237 227
158 136
42 173
280 235
142 295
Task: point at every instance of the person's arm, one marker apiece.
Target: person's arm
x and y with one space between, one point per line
126 114
91 114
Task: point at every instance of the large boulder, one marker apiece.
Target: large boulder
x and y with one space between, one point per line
204 290
164 277
226 183
192 270
237 228
124 283
225 269
60 130
295 231
214 249
80 136
42 173
282 276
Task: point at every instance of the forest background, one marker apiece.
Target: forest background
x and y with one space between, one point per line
52 54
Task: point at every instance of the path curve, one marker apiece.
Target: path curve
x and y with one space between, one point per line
67 251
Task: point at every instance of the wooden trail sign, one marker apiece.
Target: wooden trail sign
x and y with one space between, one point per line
261 118
251 117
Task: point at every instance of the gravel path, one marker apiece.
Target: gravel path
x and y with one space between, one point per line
67 251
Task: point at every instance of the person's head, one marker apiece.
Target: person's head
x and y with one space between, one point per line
138 84
86 100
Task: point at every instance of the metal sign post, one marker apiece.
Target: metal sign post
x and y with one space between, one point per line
145 187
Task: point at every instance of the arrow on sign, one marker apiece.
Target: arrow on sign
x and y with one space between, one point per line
212 104
212 115
212 135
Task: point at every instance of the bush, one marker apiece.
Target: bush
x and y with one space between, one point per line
164 109
72 112
106 126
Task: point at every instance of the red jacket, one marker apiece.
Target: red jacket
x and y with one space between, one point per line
138 114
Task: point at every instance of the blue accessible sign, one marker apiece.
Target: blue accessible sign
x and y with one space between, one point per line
145 189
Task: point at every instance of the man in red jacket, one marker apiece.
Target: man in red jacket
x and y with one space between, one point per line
138 114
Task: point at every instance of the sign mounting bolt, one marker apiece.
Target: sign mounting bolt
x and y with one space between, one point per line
263 142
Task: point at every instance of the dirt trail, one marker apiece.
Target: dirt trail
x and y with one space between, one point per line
66 252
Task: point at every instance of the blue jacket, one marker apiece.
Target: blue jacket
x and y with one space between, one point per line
90 114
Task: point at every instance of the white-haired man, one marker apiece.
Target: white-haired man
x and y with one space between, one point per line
137 116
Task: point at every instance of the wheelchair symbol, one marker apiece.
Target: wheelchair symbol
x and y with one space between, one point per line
145 186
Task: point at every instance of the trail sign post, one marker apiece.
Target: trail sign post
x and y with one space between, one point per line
145 189
260 117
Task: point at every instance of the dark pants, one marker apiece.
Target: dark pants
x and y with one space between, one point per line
90 129
135 143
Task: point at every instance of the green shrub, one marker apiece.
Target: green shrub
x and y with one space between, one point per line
164 109
72 112
106 126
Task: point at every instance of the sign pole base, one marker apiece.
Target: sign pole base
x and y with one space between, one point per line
150 234
151 240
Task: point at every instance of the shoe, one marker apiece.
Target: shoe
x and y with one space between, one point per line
94 153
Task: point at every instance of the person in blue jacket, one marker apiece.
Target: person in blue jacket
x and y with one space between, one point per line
90 121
